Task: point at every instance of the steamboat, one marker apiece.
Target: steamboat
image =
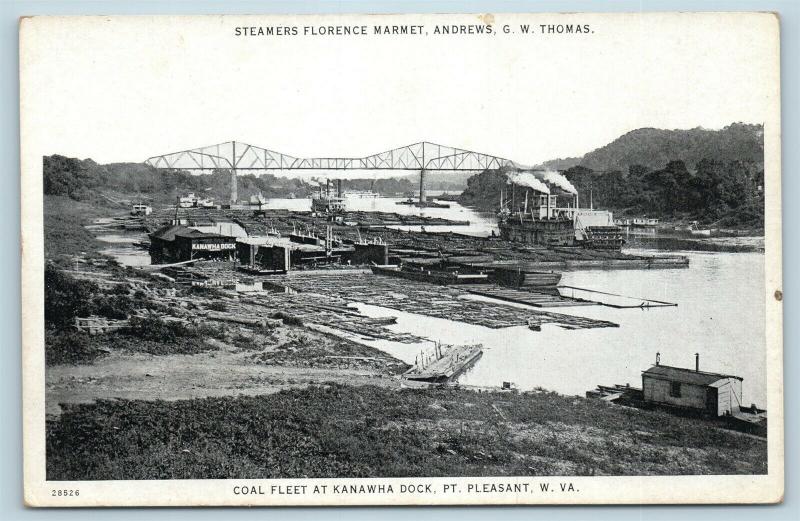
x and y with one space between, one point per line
545 223
329 201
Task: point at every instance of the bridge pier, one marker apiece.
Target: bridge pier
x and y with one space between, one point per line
422 196
234 188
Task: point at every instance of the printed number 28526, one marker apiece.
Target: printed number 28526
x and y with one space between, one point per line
65 492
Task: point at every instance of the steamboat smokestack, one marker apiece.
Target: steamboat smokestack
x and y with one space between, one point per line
338 188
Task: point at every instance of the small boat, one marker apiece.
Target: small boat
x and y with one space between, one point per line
534 325
645 222
192 201
695 230
425 204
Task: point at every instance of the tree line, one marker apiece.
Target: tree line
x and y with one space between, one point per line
724 193
84 180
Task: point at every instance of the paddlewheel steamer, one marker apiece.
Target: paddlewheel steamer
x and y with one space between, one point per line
545 223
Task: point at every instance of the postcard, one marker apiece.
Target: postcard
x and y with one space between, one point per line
454 259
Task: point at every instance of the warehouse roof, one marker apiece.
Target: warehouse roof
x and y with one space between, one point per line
170 231
689 376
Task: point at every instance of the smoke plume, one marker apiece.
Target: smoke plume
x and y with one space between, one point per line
559 180
529 180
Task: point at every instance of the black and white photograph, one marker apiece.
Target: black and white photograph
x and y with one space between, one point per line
401 259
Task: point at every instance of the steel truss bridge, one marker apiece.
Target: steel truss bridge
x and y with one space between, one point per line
423 156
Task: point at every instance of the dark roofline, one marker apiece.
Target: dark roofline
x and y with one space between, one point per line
692 371
170 231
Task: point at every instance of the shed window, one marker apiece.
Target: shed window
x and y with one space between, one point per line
675 389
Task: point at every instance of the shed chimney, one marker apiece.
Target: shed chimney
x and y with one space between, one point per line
658 358
697 362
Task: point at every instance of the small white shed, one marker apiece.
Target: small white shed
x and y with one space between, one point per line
714 393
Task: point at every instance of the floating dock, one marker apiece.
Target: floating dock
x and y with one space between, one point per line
446 363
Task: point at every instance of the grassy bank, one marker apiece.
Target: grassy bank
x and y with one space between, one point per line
347 431
64 220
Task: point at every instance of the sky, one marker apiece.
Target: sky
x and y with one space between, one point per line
124 89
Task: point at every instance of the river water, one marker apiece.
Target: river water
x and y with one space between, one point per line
720 314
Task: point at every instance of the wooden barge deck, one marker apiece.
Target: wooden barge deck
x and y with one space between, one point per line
447 363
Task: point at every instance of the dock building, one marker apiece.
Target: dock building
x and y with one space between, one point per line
178 243
711 393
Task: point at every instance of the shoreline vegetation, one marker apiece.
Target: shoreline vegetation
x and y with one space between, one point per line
332 430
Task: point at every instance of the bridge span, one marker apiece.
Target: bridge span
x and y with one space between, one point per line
423 156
